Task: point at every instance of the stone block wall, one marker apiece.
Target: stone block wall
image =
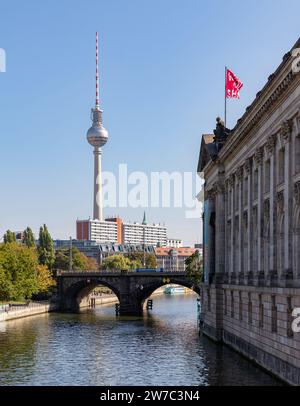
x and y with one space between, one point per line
257 323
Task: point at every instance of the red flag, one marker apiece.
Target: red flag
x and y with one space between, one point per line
233 85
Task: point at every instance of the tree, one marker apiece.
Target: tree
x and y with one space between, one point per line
21 276
19 265
194 268
116 262
46 248
9 237
44 279
80 261
28 238
5 284
150 259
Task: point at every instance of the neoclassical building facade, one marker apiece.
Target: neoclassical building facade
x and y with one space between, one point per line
252 227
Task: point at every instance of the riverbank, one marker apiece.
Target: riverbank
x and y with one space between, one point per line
32 309
100 300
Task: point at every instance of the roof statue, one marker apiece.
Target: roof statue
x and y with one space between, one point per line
221 133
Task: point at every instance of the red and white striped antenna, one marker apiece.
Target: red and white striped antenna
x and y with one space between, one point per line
97 74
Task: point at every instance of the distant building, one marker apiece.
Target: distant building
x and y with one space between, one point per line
99 231
19 235
173 259
199 247
149 234
174 243
98 251
113 230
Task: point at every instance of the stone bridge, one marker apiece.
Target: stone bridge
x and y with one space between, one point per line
131 288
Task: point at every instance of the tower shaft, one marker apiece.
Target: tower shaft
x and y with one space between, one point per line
98 210
97 137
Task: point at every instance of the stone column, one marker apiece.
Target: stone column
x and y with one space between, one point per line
272 271
297 233
286 130
220 226
260 267
210 254
227 205
249 172
240 272
232 259
220 251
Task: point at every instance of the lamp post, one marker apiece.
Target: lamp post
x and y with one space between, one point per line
70 256
144 252
144 223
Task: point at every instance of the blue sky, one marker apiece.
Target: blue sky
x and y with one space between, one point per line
162 83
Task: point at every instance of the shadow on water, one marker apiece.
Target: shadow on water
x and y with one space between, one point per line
94 347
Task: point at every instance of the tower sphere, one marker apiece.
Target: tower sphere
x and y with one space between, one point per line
97 135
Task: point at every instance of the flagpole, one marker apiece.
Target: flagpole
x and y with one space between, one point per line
225 101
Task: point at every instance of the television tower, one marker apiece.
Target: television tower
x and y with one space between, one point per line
97 137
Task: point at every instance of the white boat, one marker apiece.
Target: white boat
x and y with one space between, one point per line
174 290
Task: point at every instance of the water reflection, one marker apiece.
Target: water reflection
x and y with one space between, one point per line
97 348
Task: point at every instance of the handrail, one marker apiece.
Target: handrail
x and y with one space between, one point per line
15 307
118 273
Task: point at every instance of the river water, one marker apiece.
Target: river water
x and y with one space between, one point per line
95 347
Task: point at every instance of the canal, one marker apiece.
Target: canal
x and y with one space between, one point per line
96 348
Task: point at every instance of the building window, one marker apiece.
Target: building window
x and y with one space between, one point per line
245 240
232 304
255 239
229 202
255 184
296 239
274 315
261 312
240 306
229 247
245 192
208 300
266 250
237 247
236 196
280 177
249 309
225 302
289 318
297 154
267 176
280 244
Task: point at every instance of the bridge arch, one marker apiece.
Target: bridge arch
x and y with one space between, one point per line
79 290
150 287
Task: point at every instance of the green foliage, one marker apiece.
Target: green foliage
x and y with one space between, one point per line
19 272
150 259
6 286
28 238
46 248
128 261
116 262
79 260
194 268
44 279
9 237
